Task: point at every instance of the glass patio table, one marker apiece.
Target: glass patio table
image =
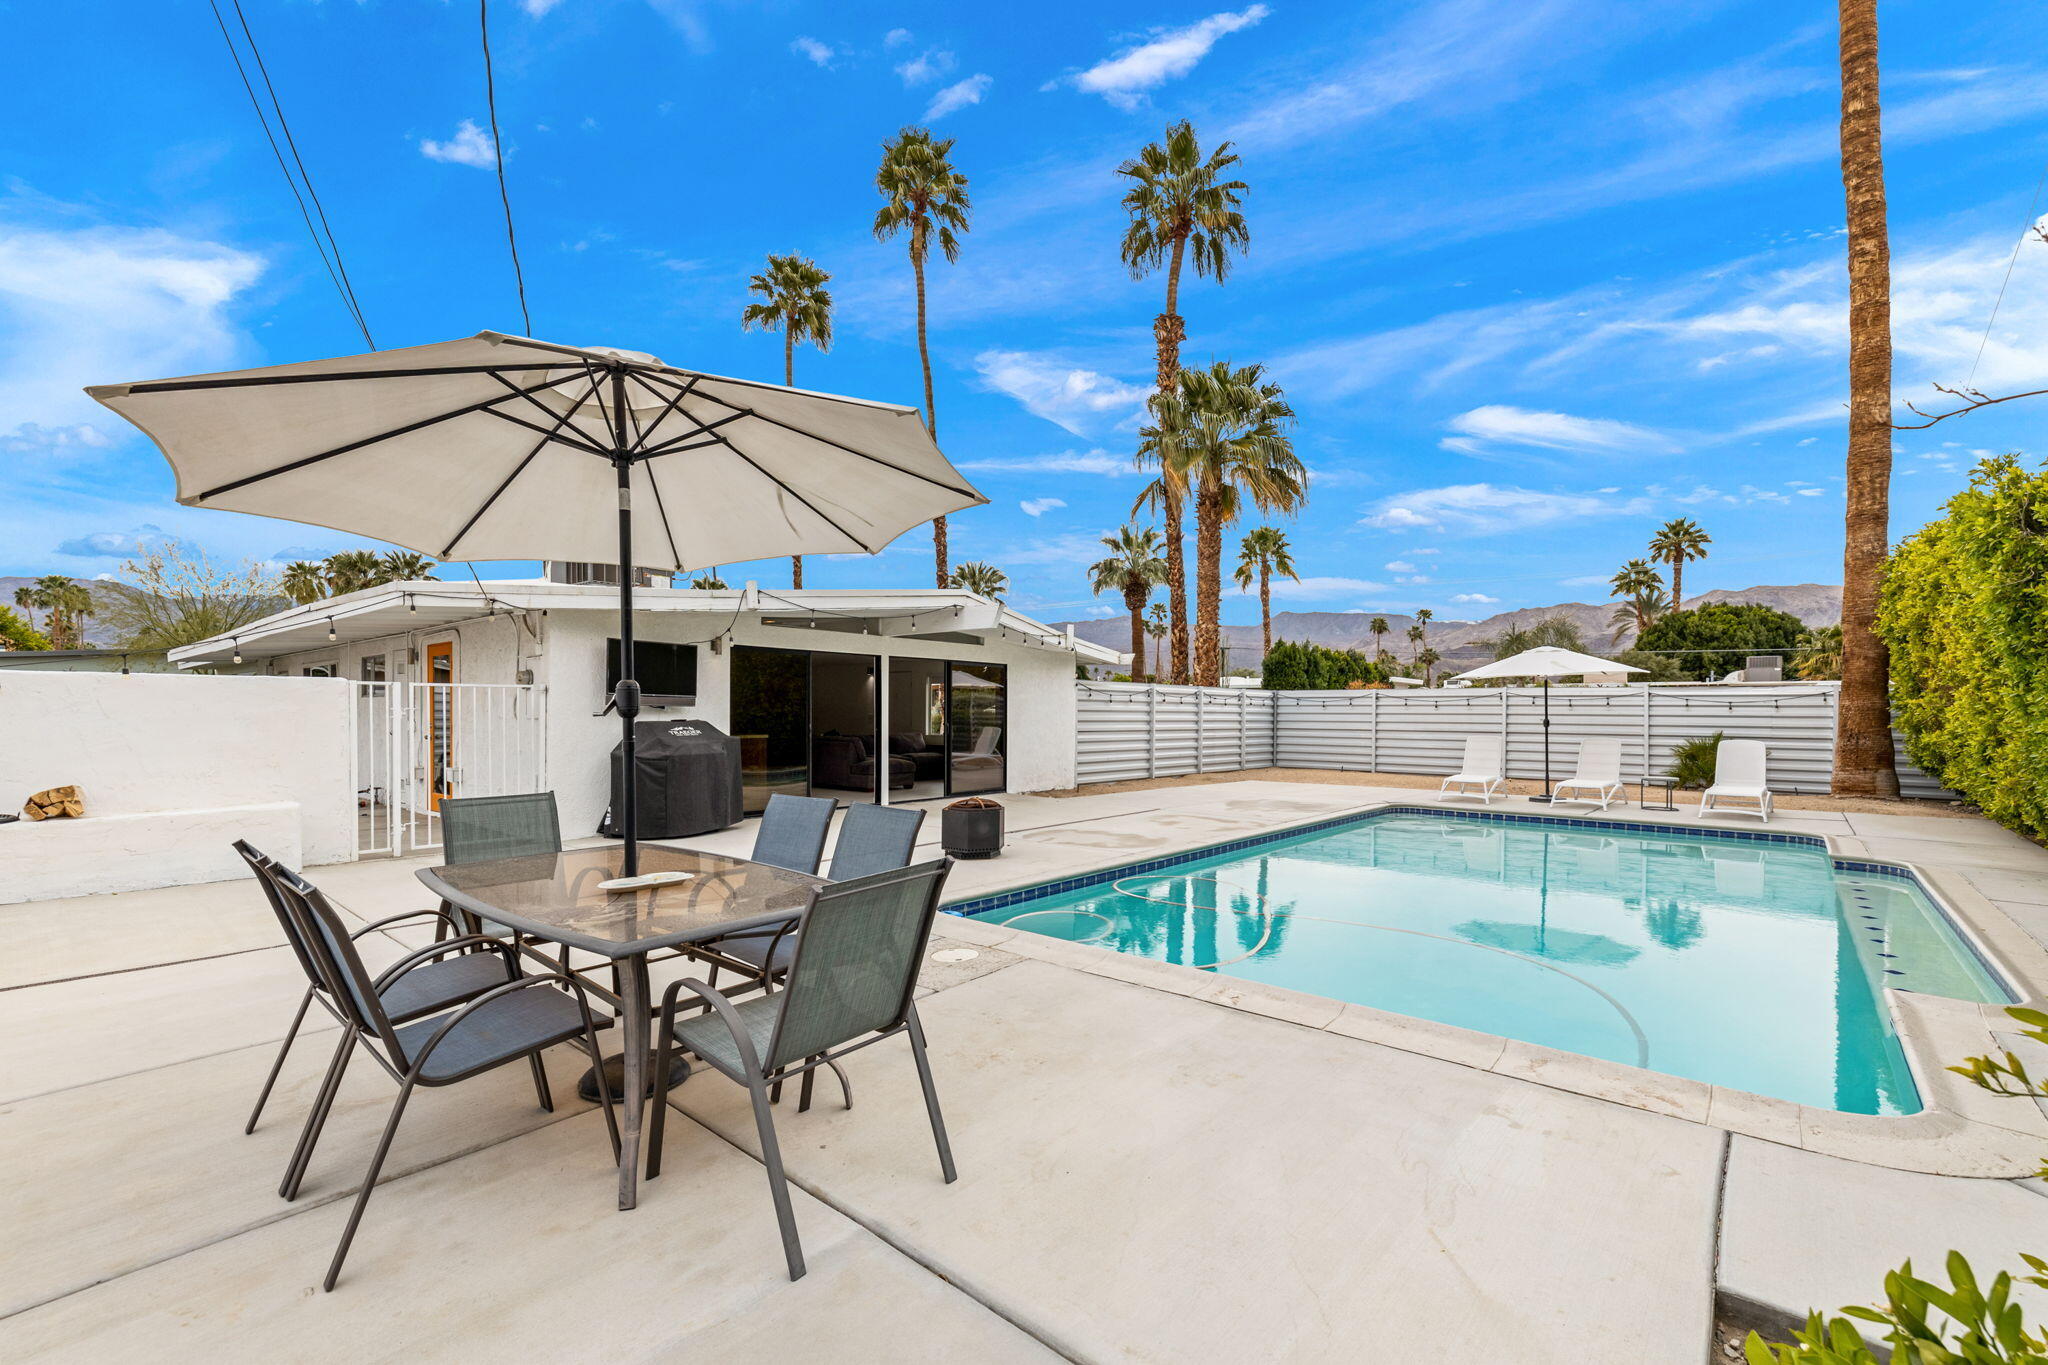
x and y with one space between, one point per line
555 897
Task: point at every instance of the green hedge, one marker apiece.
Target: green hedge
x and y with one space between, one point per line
1965 612
1303 667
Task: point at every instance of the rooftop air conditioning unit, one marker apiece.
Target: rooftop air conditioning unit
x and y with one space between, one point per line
1763 668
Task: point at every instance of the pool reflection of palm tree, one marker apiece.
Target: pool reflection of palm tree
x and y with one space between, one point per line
1540 940
1675 926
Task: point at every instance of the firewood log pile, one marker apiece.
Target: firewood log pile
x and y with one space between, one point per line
56 801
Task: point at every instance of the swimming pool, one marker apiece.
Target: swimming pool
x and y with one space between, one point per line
1743 960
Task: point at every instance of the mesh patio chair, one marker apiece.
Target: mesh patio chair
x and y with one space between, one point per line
792 833
428 988
518 1019
477 829
872 839
849 986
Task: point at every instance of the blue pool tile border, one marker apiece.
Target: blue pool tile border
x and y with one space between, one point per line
1038 890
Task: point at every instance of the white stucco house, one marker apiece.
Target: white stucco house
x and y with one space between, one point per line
465 688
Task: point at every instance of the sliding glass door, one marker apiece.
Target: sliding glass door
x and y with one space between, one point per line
977 729
771 718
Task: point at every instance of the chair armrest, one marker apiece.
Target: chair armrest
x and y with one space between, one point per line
434 912
582 1001
775 930
441 949
727 1015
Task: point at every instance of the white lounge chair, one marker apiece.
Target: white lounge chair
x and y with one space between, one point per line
1739 776
1482 769
1599 773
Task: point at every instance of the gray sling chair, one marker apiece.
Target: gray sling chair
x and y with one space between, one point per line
476 829
792 833
849 985
428 988
871 839
518 1019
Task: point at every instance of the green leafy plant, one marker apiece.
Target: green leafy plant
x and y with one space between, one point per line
1692 762
1717 638
2006 1074
17 633
1296 666
1982 1327
1965 615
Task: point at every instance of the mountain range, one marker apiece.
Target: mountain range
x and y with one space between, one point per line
1461 643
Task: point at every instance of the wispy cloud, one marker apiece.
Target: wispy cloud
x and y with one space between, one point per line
958 96
1081 400
98 304
1497 424
113 544
468 147
1167 55
1038 507
1488 509
1099 462
926 66
1478 598
813 51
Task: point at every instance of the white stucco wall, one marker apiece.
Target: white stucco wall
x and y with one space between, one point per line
149 744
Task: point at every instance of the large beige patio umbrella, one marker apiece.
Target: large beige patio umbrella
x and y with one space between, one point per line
503 447
1546 662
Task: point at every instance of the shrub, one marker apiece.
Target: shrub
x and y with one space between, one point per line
1306 667
1692 762
1965 613
1712 640
1983 1327
17 633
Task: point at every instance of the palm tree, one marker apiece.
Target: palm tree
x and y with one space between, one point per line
304 581
1180 206
1132 567
1823 657
352 570
1636 612
1635 582
1378 627
796 303
925 196
1263 553
980 578
65 604
1416 635
1677 541
1419 632
1156 627
403 566
708 581
1429 659
1864 762
1221 432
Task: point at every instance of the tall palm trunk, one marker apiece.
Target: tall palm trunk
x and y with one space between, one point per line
1677 584
931 413
796 562
1266 607
1134 601
1168 331
1864 763
1208 581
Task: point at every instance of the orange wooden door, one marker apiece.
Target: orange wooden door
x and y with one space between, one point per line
440 678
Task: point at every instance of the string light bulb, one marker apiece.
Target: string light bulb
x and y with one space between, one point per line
331 637
236 646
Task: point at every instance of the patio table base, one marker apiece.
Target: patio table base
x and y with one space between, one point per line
615 1075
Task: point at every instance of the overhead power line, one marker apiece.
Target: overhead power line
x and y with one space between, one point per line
328 249
483 14
2033 215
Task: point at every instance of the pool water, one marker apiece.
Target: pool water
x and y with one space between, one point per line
1750 964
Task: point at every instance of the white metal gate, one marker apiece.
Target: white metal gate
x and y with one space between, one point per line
417 744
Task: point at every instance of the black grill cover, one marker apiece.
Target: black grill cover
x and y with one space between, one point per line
689 780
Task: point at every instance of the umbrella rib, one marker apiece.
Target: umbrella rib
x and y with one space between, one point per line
694 375
538 447
405 430
672 444
547 411
582 445
660 507
836 445
674 554
675 399
258 381
821 512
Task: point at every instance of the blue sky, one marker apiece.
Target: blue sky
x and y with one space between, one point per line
1537 274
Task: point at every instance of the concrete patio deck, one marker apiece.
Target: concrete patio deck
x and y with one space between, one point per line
1148 1171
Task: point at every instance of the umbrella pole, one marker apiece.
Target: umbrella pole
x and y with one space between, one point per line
627 697
1546 743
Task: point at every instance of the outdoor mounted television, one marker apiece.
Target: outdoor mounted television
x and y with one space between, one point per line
667 673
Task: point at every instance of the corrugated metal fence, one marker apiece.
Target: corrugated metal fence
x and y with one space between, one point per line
1130 730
